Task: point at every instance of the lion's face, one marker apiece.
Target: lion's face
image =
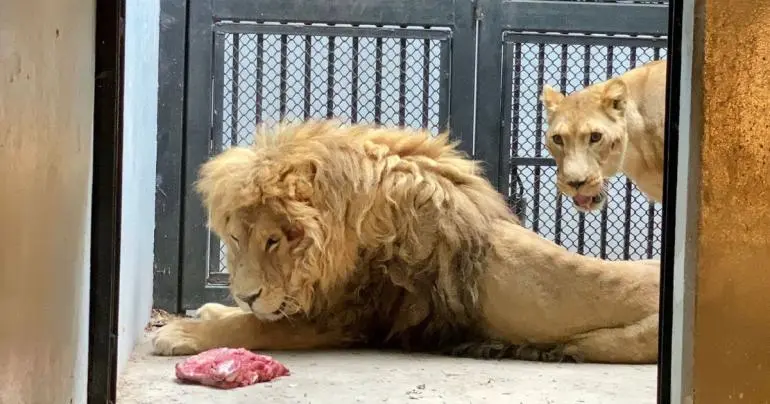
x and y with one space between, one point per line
262 254
587 137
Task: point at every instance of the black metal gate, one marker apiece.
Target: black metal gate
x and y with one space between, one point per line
476 67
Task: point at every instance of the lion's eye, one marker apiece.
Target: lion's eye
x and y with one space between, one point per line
271 243
595 137
234 238
557 139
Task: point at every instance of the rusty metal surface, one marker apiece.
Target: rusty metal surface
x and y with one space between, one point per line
732 320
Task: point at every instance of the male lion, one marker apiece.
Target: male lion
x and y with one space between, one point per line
609 127
358 236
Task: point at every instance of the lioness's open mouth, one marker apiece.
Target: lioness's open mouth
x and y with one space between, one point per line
589 203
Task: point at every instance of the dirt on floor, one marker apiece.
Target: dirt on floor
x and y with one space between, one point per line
341 377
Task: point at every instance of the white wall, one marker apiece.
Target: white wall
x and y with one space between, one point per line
139 157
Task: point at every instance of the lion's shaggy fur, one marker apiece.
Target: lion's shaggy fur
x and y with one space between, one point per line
396 224
383 237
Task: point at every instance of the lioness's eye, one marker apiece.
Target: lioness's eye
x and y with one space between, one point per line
234 238
557 139
595 137
271 242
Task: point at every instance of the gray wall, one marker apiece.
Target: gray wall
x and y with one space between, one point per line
139 158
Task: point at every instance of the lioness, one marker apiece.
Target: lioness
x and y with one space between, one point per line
609 127
359 236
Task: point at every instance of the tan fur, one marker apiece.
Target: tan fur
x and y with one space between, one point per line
629 112
389 238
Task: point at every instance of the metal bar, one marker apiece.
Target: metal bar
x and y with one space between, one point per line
308 73
402 82
172 79
327 30
550 16
516 115
437 13
217 134
457 110
586 83
283 73
538 137
563 69
603 229
234 91
425 83
487 92
445 87
629 188
509 128
218 279
378 81
533 161
195 236
650 228
627 222
106 210
354 83
330 78
581 39
260 76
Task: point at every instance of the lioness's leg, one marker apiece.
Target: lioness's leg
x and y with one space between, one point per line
241 330
634 343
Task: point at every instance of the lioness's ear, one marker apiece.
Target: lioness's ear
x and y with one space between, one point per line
614 97
551 98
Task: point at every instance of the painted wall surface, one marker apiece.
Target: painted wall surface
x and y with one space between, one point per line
139 158
46 116
732 318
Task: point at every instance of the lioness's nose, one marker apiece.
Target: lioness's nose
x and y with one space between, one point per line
250 299
577 184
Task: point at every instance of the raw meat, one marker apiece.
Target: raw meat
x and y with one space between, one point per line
227 368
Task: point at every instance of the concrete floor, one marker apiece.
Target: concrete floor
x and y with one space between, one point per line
374 377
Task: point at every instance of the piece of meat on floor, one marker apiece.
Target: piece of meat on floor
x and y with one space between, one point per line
227 368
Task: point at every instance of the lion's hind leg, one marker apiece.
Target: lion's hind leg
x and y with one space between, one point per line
636 343
493 349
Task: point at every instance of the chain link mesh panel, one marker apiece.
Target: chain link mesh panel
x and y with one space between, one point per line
397 76
630 226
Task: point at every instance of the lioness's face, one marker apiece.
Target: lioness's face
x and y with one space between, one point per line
587 137
261 263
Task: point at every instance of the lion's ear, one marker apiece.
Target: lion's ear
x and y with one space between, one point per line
551 98
614 97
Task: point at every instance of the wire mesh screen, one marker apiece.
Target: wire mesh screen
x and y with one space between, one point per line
630 226
265 73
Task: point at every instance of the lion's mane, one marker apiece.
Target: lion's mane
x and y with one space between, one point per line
396 225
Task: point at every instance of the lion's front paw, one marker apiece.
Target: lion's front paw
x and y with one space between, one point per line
212 311
180 337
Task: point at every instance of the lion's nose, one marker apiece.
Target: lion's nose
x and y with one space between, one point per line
577 184
250 299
